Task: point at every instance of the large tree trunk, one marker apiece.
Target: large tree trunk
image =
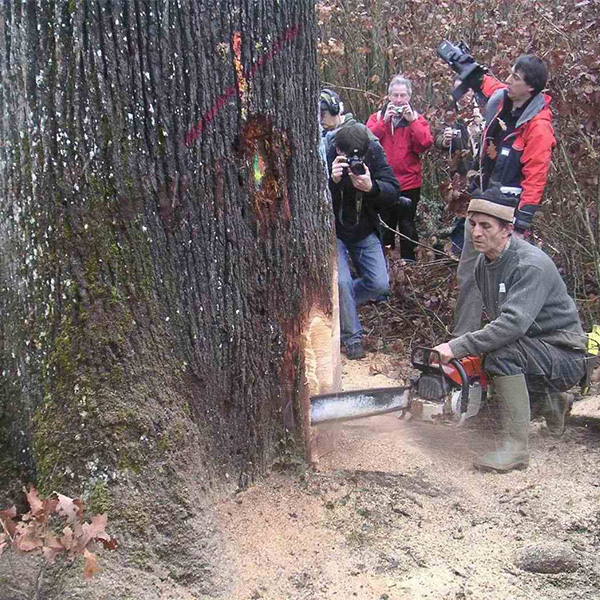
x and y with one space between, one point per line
166 245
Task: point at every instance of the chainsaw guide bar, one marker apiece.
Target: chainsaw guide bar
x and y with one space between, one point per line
357 404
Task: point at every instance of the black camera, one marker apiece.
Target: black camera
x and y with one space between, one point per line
463 64
356 165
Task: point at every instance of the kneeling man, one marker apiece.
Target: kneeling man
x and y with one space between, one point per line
534 345
361 183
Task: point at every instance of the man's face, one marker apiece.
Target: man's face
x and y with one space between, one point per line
399 95
518 90
329 121
466 99
489 234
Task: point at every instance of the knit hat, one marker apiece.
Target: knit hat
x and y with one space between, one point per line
493 202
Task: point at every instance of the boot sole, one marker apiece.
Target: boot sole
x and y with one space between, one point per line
551 433
487 468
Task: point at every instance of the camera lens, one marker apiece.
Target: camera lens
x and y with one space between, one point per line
357 167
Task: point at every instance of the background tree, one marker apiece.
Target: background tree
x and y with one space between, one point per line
166 250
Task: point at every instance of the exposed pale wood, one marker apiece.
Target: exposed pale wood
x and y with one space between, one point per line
322 348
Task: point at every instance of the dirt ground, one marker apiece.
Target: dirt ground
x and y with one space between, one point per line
393 510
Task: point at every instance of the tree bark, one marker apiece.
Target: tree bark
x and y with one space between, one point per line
166 245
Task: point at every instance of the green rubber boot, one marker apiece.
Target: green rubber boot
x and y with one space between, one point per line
558 408
512 394
554 406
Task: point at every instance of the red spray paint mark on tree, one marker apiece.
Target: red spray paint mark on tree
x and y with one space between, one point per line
289 34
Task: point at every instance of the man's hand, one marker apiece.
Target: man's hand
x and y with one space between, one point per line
445 352
447 137
337 168
363 183
408 113
390 112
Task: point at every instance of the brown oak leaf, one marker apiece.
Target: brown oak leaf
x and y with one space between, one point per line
94 529
90 568
71 510
30 539
36 505
108 542
52 548
6 520
68 539
49 506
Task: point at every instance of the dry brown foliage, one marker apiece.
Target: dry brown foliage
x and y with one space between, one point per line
52 527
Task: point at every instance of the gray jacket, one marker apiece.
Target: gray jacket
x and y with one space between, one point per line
524 295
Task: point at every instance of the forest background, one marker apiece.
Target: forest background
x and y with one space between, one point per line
363 44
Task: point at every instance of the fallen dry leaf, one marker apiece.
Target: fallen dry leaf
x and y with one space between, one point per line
6 520
90 568
108 542
95 528
68 508
36 505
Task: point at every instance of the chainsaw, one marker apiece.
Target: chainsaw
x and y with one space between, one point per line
453 392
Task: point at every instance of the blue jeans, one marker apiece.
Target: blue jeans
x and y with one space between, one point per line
372 281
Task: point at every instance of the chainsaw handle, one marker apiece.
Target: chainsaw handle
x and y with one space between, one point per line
420 358
464 396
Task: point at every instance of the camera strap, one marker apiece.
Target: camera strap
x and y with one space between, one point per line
358 200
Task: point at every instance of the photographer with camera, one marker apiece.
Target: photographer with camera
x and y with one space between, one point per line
514 156
361 183
461 134
459 140
404 135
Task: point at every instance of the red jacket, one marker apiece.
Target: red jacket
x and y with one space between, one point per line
402 147
524 159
